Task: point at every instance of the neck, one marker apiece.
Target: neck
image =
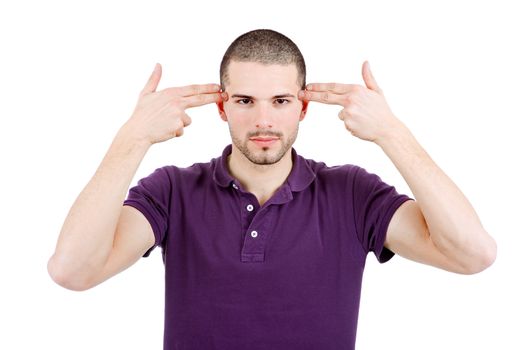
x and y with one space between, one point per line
261 180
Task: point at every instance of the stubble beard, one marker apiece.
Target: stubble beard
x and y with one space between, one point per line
264 155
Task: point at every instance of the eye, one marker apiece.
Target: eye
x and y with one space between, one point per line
243 99
280 101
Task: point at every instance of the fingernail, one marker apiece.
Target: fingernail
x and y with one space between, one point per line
224 96
300 94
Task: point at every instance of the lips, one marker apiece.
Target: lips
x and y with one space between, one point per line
264 138
264 141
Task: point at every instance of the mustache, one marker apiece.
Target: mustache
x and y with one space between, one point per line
262 133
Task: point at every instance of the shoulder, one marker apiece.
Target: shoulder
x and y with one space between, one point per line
194 171
198 173
338 172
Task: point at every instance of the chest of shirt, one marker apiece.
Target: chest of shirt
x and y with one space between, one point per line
231 231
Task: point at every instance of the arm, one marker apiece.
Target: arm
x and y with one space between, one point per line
441 228
86 239
100 237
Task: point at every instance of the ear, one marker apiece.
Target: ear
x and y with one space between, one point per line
220 107
303 110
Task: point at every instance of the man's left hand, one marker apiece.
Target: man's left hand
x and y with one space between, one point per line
365 112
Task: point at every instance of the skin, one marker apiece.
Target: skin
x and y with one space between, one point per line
440 228
161 115
256 108
119 235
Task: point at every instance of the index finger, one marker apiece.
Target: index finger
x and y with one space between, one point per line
201 99
331 87
194 89
325 97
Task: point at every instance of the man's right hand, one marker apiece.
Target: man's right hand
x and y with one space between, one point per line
160 116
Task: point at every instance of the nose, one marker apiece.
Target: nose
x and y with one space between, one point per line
263 117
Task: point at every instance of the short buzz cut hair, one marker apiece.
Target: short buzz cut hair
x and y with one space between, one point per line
264 46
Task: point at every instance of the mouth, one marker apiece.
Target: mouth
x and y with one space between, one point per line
264 141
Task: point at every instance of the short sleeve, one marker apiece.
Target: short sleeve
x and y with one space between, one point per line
374 203
151 196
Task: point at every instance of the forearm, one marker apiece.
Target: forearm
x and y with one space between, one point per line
453 224
87 235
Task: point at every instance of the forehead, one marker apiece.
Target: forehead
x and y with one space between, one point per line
255 75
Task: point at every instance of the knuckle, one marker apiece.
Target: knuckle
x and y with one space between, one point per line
176 103
179 124
355 88
196 89
325 96
177 112
187 121
173 92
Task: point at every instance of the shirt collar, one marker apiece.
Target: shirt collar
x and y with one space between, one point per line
300 177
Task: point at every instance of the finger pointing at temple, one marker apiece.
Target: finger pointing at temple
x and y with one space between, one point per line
330 93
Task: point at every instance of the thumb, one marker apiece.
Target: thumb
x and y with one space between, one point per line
153 80
369 78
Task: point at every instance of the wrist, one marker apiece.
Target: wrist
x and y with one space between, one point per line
393 135
129 133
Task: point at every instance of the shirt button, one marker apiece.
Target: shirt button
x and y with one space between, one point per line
249 207
254 234
235 186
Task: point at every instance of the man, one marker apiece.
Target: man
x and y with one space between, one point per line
264 249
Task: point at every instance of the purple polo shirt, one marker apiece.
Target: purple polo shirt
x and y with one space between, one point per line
284 275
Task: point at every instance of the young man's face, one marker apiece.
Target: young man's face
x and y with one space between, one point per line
262 110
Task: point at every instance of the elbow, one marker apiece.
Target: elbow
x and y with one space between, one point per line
485 257
58 275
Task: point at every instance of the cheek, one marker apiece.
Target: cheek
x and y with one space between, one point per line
237 121
235 112
296 110
297 107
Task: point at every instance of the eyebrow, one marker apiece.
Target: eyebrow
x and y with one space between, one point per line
253 98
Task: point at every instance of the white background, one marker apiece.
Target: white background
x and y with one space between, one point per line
70 74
